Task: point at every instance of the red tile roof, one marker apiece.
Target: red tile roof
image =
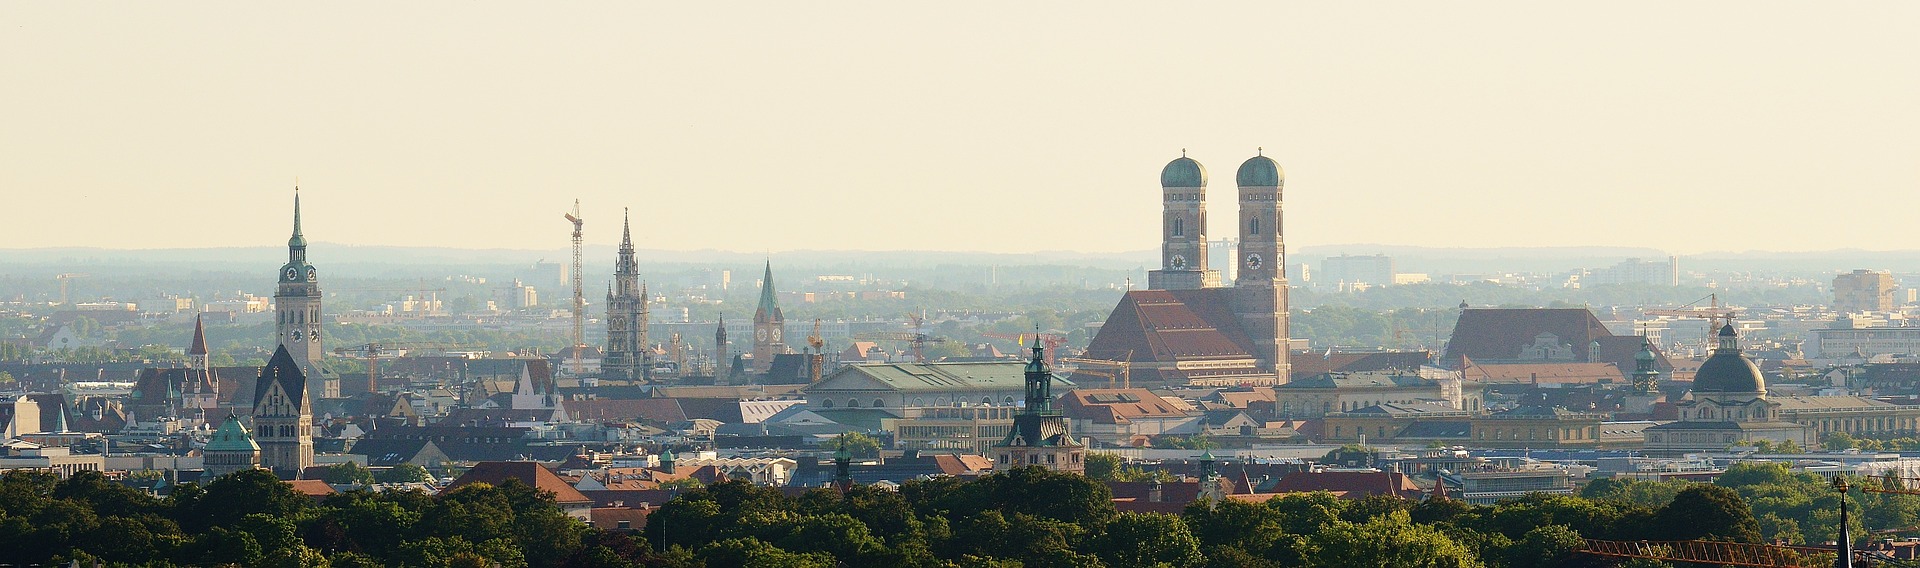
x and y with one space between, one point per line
1499 334
1116 406
530 473
653 410
1163 326
1354 484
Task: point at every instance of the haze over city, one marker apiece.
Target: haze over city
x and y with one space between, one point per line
1005 127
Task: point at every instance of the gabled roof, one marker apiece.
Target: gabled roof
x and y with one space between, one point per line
1117 406
1150 326
531 473
1311 363
1499 334
654 410
282 370
929 377
1353 484
1365 379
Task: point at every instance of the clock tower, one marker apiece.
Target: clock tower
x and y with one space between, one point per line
297 310
628 348
769 325
1183 228
1260 288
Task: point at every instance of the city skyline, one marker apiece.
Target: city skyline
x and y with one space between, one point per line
1647 125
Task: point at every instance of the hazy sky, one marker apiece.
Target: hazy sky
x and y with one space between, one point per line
751 126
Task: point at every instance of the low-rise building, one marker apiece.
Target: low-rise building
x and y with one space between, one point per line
1344 392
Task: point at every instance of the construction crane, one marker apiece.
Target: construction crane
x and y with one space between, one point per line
1715 314
579 293
819 357
1051 341
372 352
1118 371
916 340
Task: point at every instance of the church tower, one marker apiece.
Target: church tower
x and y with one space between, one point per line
297 306
720 351
283 416
1040 436
1260 290
1183 228
769 325
627 344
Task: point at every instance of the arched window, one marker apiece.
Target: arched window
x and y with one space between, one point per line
1253 226
826 404
877 403
1009 401
853 403
986 401
1179 227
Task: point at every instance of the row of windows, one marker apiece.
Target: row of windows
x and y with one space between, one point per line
1034 459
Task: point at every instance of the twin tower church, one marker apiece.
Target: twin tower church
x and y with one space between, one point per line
1189 326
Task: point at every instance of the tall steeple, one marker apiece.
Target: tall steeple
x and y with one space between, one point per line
1646 374
197 350
297 306
627 344
1039 380
720 350
769 325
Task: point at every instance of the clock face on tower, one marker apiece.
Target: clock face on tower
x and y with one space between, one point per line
296 335
293 273
1178 262
776 334
760 334
313 275
1253 261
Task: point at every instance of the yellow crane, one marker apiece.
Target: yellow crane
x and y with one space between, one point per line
579 293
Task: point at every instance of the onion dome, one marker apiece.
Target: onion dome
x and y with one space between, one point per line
1259 171
1183 172
1727 371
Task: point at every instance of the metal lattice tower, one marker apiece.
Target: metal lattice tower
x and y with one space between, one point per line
579 294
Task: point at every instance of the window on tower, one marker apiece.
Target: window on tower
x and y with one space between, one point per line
1253 226
1179 227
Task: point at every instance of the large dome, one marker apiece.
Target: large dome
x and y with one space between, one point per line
1183 172
1259 171
1727 370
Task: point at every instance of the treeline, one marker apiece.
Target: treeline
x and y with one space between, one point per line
1021 518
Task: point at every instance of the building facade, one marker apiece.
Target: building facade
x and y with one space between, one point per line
283 416
1728 405
628 347
230 449
1040 436
1863 291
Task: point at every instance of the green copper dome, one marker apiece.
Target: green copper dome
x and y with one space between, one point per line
1259 171
232 437
1183 172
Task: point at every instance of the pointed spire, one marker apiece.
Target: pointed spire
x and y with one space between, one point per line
626 230
298 240
199 345
769 302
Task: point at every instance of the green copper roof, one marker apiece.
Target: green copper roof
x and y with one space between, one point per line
232 437
769 306
1183 172
297 240
1259 171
